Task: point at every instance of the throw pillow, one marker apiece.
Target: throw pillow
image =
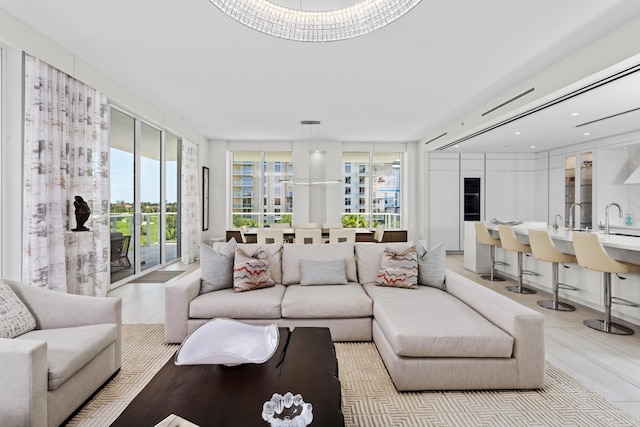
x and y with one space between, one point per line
369 257
399 269
432 268
15 317
274 255
251 272
323 272
217 266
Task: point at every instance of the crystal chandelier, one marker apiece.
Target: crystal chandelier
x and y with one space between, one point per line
315 26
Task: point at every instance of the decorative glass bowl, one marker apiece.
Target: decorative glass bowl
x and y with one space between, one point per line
228 342
287 411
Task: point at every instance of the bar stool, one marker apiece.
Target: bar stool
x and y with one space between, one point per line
510 243
484 238
543 249
591 255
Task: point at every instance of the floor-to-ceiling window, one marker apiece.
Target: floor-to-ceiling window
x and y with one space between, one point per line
144 196
371 189
258 197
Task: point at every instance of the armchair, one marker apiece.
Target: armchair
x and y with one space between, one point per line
49 372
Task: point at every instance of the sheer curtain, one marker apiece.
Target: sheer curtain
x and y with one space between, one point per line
66 153
190 199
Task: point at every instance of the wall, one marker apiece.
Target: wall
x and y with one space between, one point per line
15 37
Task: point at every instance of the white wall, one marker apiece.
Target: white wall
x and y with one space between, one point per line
15 37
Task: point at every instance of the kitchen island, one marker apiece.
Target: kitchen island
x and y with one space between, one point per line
589 293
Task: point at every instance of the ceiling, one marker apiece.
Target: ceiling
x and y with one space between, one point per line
403 82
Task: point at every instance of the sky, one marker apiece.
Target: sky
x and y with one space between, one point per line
122 184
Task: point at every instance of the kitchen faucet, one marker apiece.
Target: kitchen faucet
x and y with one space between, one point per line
606 216
555 222
572 211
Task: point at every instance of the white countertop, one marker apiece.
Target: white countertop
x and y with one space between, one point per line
629 243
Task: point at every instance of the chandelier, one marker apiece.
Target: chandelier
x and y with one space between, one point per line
315 26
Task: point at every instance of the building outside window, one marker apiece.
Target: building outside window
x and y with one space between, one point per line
376 193
258 196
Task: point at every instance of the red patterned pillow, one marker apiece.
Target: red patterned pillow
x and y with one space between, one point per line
251 272
399 269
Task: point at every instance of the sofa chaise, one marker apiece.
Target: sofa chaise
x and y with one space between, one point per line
72 348
451 336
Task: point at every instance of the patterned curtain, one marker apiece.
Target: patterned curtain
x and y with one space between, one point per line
66 154
190 199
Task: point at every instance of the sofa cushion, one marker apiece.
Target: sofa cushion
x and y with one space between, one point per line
398 269
217 266
260 304
369 257
251 272
323 272
430 323
292 254
432 267
329 301
70 349
15 317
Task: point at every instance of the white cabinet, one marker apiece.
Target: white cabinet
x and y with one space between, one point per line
506 191
444 201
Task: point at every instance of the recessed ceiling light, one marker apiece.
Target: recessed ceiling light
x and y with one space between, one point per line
533 146
456 146
574 114
587 134
517 133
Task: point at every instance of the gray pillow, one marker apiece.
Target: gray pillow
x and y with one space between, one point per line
432 268
217 267
323 272
15 317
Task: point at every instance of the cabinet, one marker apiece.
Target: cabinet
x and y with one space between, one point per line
578 188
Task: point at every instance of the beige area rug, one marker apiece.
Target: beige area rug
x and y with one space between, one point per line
370 399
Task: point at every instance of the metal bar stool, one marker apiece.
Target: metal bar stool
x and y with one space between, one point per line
484 237
510 243
591 255
543 249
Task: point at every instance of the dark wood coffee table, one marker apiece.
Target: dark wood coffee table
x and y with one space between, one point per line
214 395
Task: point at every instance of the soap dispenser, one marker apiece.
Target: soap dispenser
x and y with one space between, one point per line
628 220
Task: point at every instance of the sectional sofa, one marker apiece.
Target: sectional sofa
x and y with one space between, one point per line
452 334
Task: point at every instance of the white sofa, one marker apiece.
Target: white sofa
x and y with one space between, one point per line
48 373
467 337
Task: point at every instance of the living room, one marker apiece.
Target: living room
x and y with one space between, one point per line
602 35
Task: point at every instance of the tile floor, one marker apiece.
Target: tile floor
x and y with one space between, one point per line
606 363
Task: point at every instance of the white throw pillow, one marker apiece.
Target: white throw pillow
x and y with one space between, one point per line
369 257
216 267
15 317
432 268
323 272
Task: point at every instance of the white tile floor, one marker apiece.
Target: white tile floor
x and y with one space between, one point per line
606 363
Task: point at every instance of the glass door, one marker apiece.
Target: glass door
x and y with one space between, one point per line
122 198
150 145
145 197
